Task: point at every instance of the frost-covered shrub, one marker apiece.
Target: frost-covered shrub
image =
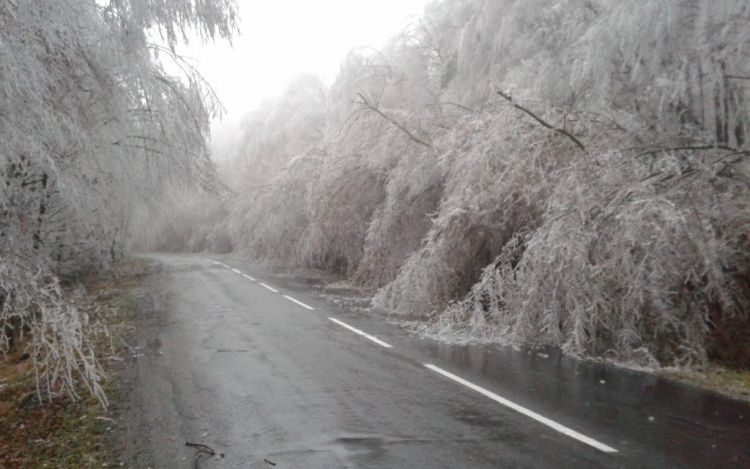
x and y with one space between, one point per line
495 186
397 227
33 303
633 260
268 222
351 187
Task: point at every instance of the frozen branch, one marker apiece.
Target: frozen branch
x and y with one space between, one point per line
734 151
543 122
366 104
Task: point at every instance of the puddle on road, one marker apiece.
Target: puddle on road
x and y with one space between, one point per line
308 459
547 372
347 450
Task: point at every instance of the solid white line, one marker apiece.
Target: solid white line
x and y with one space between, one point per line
270 288
363 334
552 424
298 302
248 277
237 271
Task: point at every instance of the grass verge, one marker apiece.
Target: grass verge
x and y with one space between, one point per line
731 383
66 433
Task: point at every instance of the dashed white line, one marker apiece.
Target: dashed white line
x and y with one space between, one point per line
237 271
550 423
298 302
363 334
248 277
270 288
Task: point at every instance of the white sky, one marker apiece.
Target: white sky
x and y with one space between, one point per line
281 38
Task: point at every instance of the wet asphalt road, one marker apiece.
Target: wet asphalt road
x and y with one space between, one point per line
263 379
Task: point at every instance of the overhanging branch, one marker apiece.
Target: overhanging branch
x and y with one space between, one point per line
733 151
543 122
365 103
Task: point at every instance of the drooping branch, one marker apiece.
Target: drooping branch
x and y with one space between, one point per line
450 103
734 151
366 104
542 121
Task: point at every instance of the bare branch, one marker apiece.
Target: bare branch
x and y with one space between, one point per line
542 122
735 151
450 103
366 104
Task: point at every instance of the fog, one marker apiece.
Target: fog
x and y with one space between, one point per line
564 173
284 38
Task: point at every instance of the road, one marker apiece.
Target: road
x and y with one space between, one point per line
269 375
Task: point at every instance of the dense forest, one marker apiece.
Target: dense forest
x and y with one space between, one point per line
571 173
92 129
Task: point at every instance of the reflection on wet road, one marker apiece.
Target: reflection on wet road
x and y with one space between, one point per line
314 387
698 428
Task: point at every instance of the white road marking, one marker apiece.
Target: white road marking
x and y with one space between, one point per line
552 424
270 288
248 277
363 334
224 265
298 302
236 271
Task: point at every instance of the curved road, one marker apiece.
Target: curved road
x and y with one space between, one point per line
261 370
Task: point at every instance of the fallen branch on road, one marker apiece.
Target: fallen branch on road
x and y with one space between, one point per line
200 451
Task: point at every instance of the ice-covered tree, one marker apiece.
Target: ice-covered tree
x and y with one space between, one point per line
562 172
90 122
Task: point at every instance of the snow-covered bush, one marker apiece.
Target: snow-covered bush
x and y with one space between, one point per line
633 260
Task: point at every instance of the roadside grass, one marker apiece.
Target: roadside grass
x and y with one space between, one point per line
67 433
732 383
